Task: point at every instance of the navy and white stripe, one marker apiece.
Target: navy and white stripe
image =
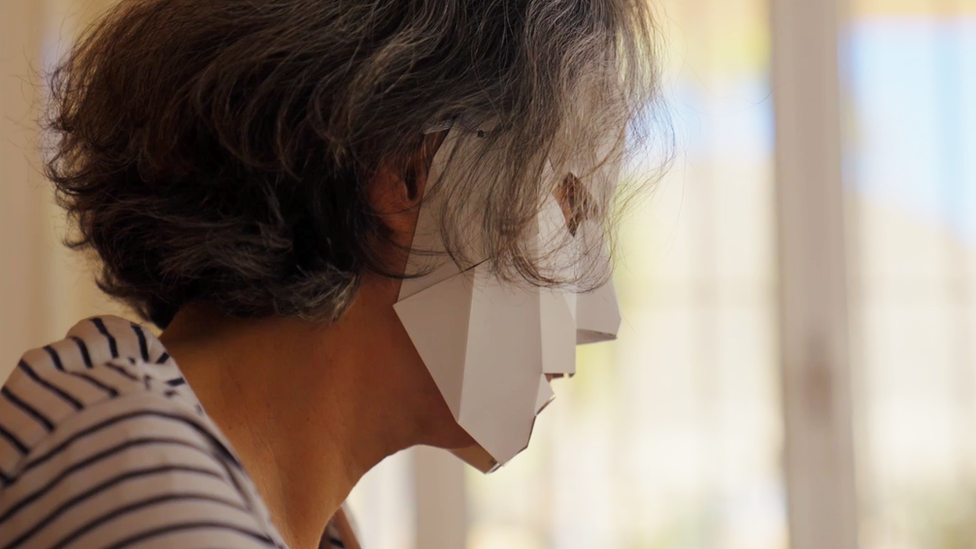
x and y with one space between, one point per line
103 444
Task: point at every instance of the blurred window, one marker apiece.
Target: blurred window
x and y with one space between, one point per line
912 195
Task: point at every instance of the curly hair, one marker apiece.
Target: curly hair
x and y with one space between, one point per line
219 151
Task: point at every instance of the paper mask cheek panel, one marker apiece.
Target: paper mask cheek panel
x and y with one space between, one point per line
482 343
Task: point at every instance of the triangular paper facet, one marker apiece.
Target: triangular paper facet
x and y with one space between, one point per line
437 321
558 334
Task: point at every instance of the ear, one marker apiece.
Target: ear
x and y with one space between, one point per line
397 188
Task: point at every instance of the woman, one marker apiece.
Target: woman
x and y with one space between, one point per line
361 226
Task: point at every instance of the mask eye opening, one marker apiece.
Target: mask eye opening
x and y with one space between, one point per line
574 201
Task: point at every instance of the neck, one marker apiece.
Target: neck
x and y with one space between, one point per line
308 407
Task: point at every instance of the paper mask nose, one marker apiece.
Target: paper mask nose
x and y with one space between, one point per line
571 319
597 315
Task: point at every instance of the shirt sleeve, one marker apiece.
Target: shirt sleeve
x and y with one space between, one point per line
135 471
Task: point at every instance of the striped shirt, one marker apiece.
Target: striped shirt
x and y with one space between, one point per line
104 445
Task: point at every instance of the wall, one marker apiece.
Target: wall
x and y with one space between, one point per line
44 288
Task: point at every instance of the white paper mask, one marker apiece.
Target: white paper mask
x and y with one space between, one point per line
487 344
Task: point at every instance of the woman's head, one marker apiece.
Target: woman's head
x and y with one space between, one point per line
226 151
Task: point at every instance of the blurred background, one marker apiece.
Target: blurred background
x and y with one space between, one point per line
797 362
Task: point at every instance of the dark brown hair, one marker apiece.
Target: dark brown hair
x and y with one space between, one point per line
218 150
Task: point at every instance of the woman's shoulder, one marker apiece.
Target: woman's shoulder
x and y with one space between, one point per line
99 358
102 427
106 376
